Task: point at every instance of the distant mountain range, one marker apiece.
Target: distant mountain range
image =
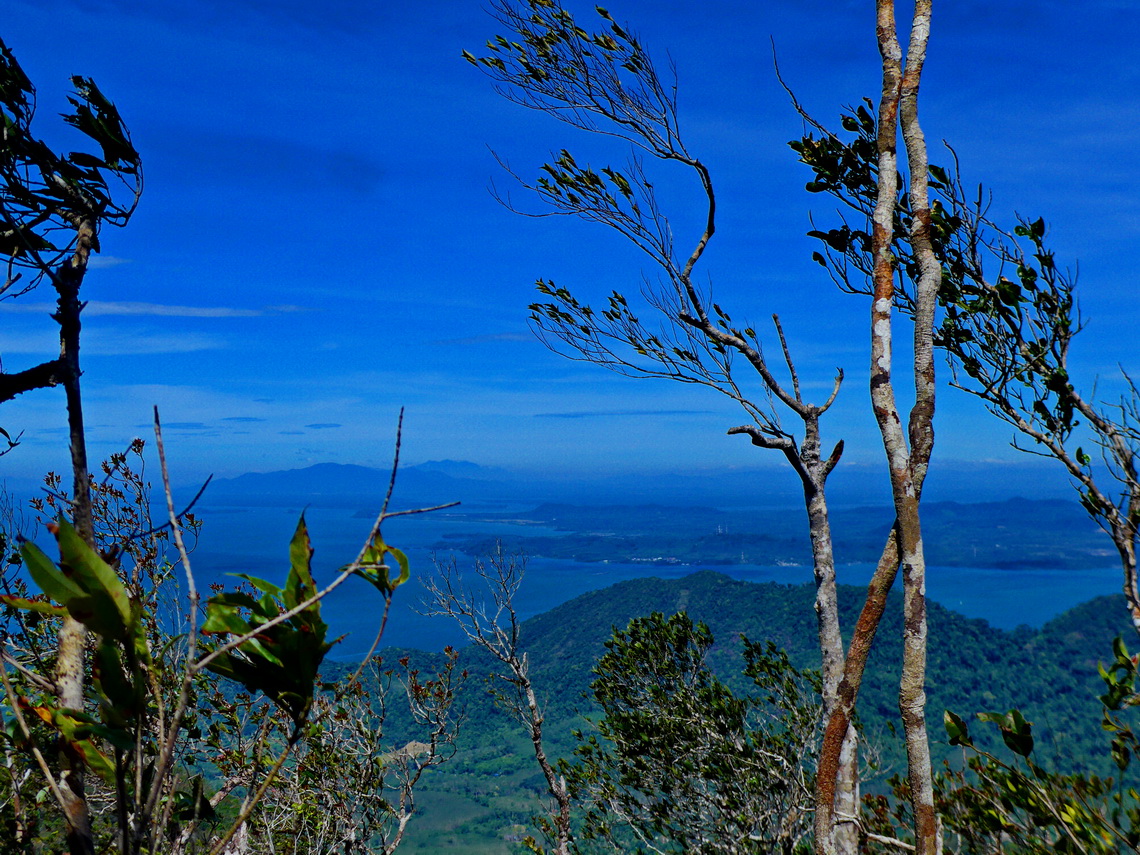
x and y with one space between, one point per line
978 518
438 481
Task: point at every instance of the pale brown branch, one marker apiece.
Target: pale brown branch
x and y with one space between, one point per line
834 392
762 438
37 680
410 511
165 759
891 841
375 642
788 358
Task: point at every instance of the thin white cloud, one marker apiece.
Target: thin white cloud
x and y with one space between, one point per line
22 307
106 308
99 308
591 414
108 343
124 344
42 342
485 339
100 262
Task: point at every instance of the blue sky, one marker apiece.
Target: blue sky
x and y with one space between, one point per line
316 246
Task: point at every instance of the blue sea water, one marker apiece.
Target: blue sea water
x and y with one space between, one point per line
255 541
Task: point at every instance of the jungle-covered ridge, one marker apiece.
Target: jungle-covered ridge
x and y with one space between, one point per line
477 799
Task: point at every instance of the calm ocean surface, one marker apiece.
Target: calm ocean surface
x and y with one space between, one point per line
255 541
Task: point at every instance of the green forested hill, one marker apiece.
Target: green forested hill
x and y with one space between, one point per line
492 785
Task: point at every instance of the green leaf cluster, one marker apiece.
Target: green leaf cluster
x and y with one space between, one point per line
552 44
374 570
279 658
1007 335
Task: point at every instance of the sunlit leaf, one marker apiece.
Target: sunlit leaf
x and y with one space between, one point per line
956 729
43 607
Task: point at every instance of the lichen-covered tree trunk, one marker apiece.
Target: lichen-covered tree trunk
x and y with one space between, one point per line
837 802
837 748
899 103
1126 546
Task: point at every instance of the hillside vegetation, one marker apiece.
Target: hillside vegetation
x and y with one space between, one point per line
483 799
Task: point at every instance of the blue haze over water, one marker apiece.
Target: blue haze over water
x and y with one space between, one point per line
255 540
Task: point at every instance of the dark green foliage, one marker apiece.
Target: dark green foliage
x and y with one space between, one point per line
1008 315
681 763
43 194
53 205
1048 673
1006 801
144 694
1008 336
84 586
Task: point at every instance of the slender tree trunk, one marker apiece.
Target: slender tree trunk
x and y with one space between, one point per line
837 796
69 672
1125 538
839 723
555 783
912 692
912 688
907 466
